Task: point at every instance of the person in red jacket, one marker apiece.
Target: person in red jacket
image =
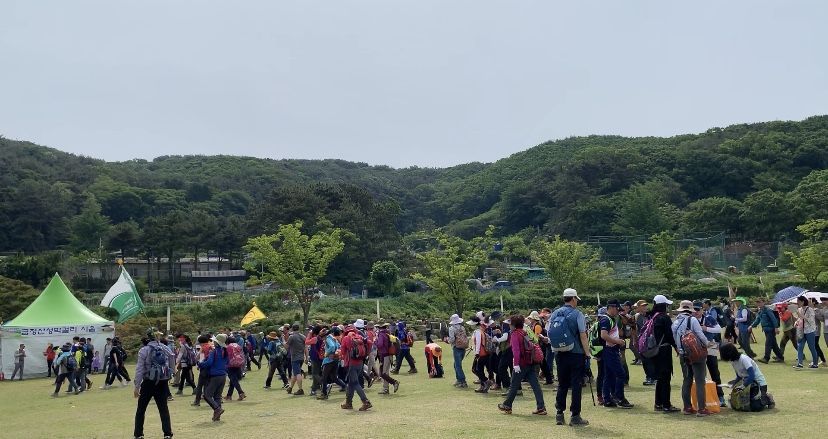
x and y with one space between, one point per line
354 358
522 369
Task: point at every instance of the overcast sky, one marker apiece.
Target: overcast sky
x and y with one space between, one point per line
401 83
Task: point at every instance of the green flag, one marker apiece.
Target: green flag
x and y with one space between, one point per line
123 297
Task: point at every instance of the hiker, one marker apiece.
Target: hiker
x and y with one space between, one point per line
571 363
596 349
434 360
614 376
819 317
691 370
19 360
185 364
384 350
65 368
662 363
107 349
747 372
235 366
548 353
332 355
805 332
728 311
354 363
152 378
787 326
770 326
406 341
533 326
504 365
743 326
298 356
710 327
372 364
481 362
275 353
492 331
459 341
523 367
640 318
204 348
252 346
216 366
314 342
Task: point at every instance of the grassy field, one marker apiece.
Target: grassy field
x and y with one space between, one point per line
422 408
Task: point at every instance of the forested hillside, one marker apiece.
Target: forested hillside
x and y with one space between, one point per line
756 181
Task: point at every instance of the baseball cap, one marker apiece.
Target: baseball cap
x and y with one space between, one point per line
660 298
570 292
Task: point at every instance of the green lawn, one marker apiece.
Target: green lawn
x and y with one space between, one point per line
422 408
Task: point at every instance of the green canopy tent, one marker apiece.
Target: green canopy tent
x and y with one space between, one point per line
56 316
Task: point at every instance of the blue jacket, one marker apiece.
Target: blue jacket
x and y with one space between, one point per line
767 319
401 336
216 362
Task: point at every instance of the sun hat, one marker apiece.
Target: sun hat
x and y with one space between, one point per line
369 325
455 320
570 292
781 306
685 305
742 299
273 336
641 303
473 322
534 315
359 324
221 339
660 298
382 324
479 315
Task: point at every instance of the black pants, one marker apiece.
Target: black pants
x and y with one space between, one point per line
203 377
405 353
428 337
771 345
49 367
186 378
158 391
503 367
251 358
599 379
494 362
112 373
570 376
715 376
328 376
479 367
819 349
273 368
544 366
662 389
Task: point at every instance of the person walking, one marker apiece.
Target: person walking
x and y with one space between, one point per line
459 341
805 333
662 364
332 355
572 362
185 361
49 353
523 367
787 326
106 350
354 360
406 341
19 360
276 352
384 357
152 374
64 371
770 326
743 325
216 366
298 356
236 361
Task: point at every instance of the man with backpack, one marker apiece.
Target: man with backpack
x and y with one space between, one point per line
406 341
770 326
743 322
459 341
568 337
152 376
614 376
711 327
355 350
251 346
275 354
66 366
385 352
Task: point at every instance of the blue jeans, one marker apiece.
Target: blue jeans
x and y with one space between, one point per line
550 359
530 373
458 364
614 376
809 338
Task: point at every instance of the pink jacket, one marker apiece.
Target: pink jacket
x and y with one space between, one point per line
516 342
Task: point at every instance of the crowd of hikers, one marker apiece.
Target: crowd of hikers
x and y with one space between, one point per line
559 348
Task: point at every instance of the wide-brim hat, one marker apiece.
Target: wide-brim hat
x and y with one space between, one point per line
455 320
273 336
220 339
472 323
685 305
534 315
359 324
382 324
741 299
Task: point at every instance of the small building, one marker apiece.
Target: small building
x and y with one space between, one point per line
213 281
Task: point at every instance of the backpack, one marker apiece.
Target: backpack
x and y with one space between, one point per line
393 344
359 349
532 353
561 336
237 357
191 357
747 399
751 316
694 352
71 364
409 339
721 318
595 345
275 351
159 369
648 347
461 339
90 354
122 354
489 343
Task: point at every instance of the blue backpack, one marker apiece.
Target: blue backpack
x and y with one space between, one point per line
159 365
561 336
71 363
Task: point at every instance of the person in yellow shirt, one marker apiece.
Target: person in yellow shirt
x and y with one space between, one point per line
434 360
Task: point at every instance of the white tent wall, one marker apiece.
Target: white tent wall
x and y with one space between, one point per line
34 365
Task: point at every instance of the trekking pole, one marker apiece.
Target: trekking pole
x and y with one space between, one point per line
591 392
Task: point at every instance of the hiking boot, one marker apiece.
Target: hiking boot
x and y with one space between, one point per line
54 395
217 414
813 366
413 370
266 387
395 372
778 360
299 392
177 393
495 387
578 421
540 412
347 406
384 392
195 404
610 404
658 408
798 367
649 382
228 398
671 409
242 396
688 411
559 419
504 409
482 389
365 405
704 412
322 397
396 386
763 360
289 390
624 404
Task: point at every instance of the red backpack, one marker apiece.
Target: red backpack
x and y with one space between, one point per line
694 352
236 356
532 353
359 349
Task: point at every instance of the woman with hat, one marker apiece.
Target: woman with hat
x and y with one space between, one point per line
694 371
786 327
459 342
216 366
535 329
481 360
662 364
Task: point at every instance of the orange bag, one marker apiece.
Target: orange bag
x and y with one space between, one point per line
710 395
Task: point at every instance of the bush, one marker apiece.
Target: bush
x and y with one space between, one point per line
751 265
